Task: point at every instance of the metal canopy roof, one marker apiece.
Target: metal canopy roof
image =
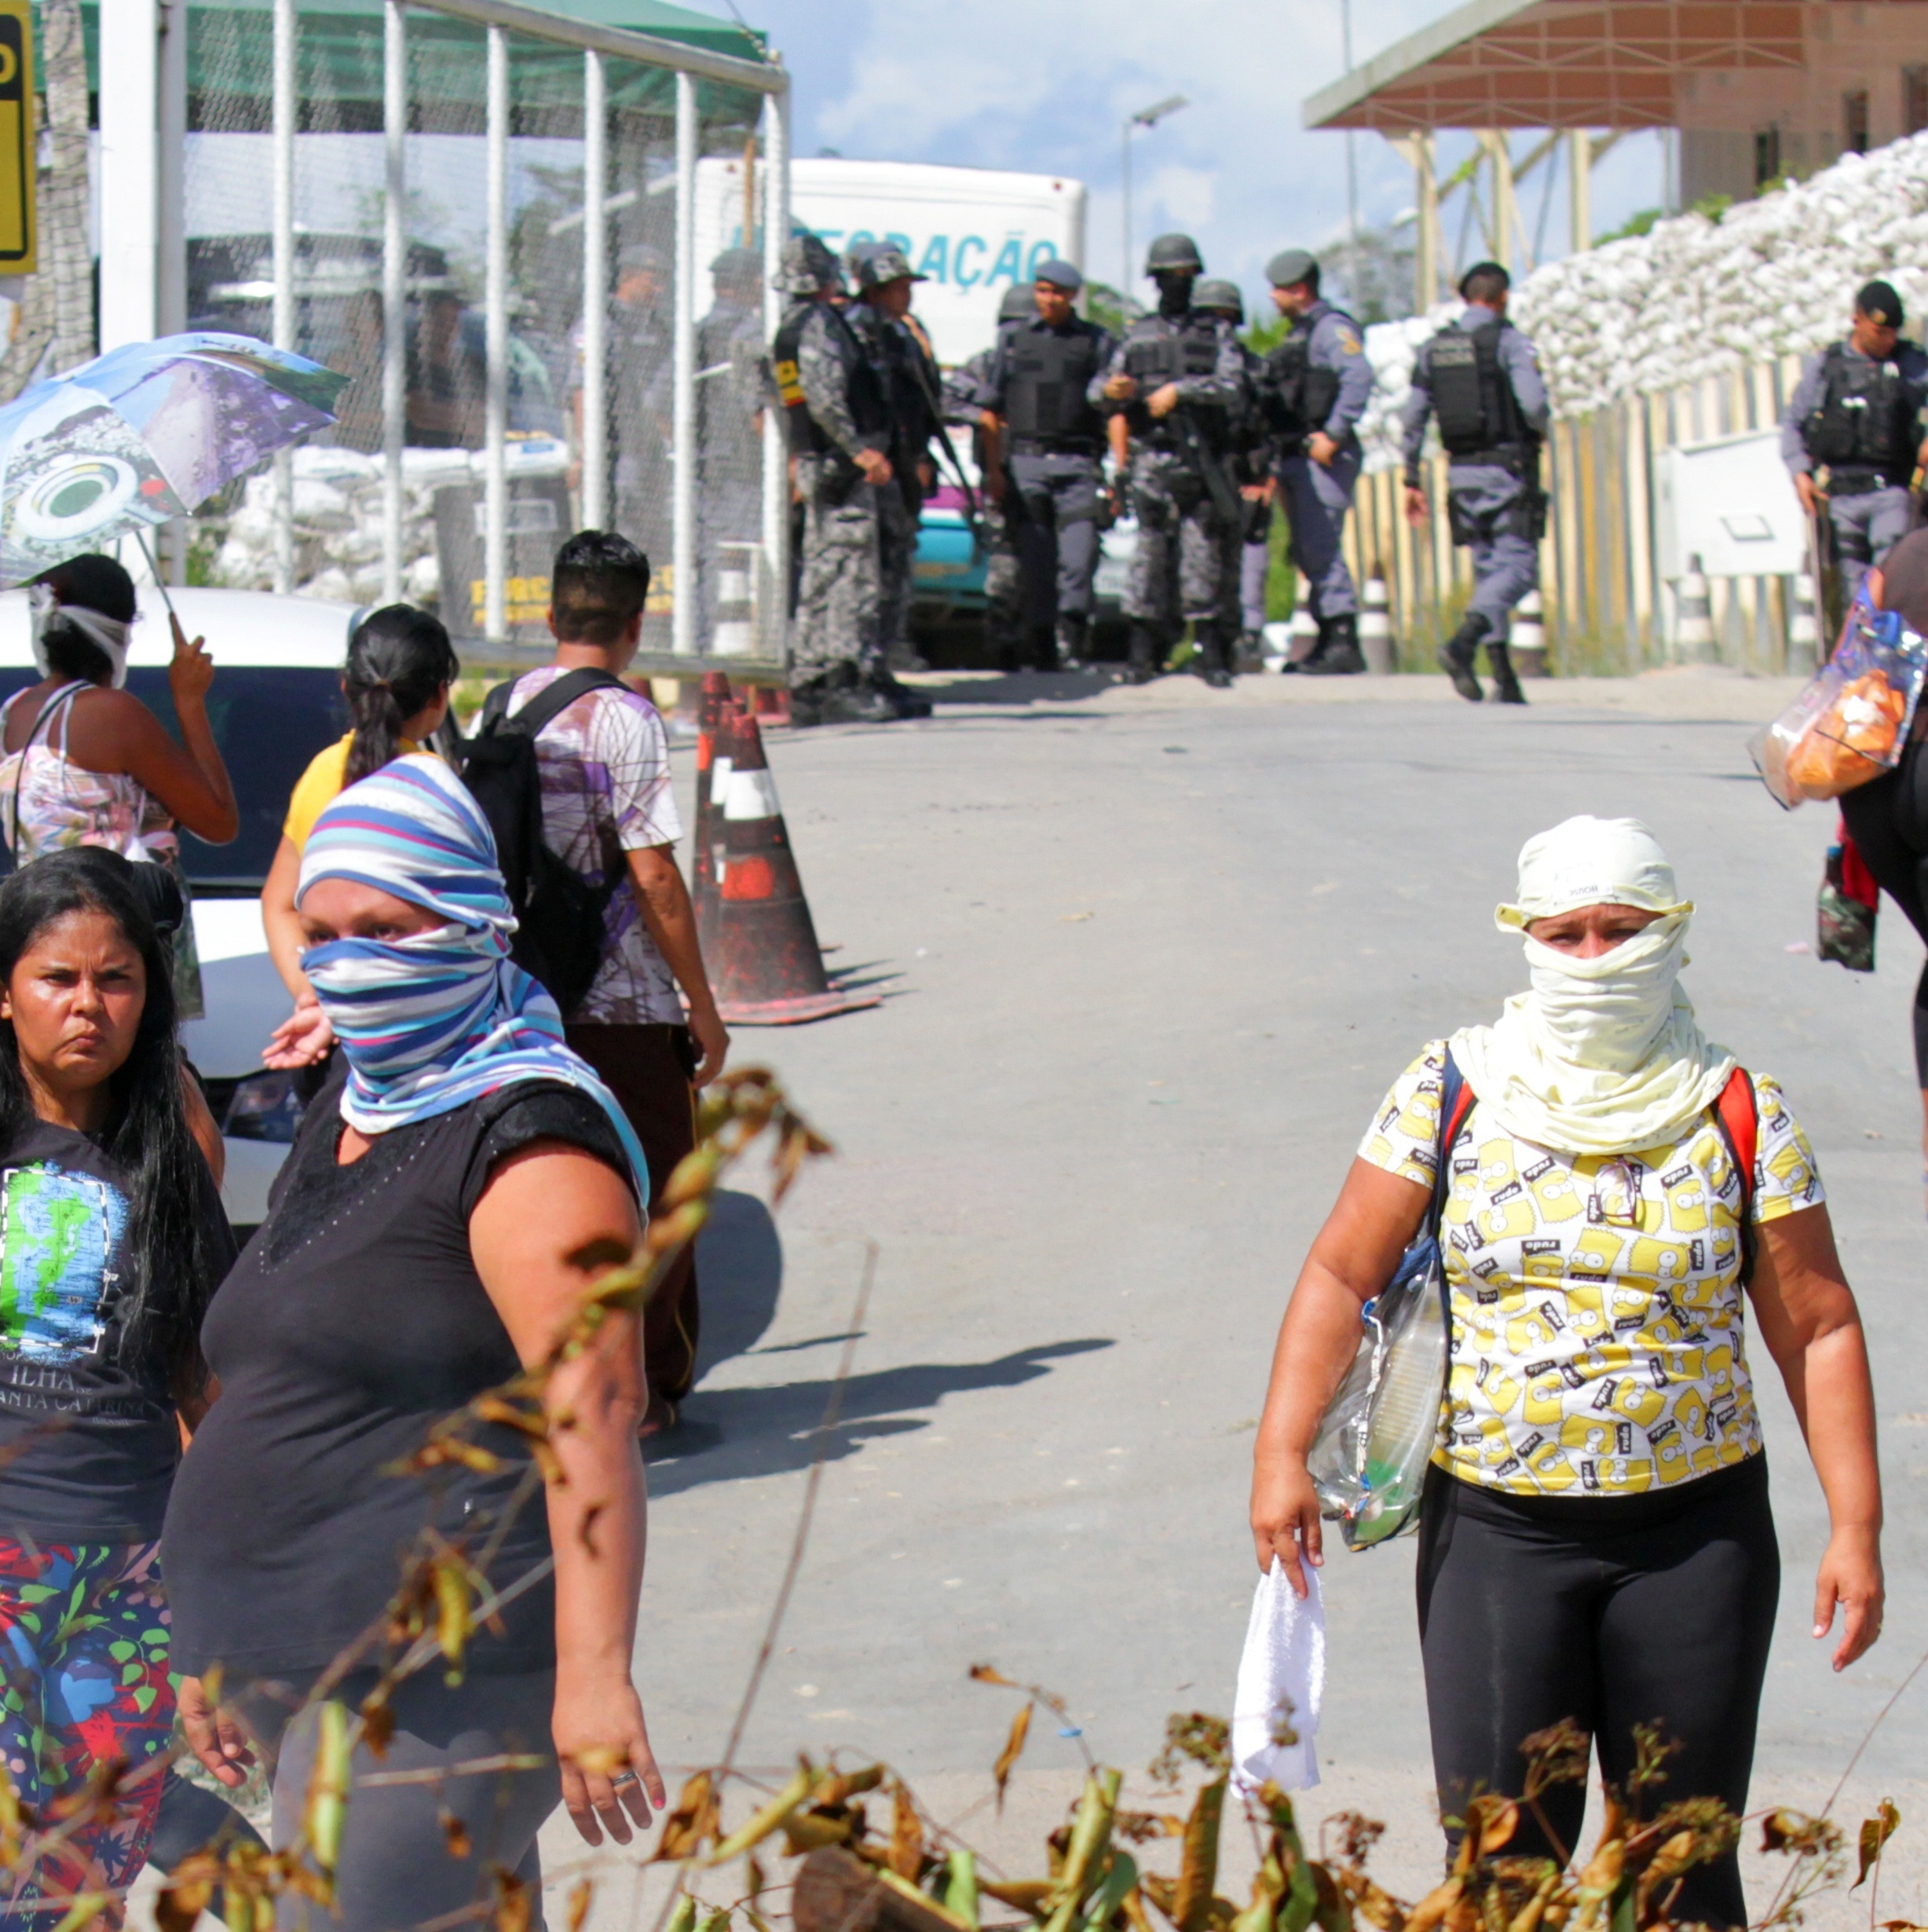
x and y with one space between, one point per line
1558 63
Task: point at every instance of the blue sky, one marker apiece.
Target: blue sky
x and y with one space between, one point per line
1043 85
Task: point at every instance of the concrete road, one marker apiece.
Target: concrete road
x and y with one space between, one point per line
1149 959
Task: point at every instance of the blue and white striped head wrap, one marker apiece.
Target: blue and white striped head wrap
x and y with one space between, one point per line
441 1018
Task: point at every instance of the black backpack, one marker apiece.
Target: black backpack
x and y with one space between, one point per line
560 933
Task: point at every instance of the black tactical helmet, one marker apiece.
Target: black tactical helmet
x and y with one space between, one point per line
1018 302
1174 252
1224 298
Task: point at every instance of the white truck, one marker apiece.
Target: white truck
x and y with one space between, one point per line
973 232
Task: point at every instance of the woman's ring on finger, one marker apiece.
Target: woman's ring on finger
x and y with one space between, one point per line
623 1778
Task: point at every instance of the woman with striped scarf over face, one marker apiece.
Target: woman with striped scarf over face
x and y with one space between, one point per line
420 1249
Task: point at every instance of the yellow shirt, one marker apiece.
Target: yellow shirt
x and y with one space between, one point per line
318 787
1597 1338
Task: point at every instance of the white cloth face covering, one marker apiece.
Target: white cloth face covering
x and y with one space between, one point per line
1281 1672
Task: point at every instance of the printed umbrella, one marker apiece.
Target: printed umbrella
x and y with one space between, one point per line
142 434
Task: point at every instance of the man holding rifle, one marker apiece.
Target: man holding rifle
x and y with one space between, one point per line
1173 388
1852 435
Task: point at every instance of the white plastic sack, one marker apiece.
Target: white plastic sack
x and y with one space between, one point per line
1284 1670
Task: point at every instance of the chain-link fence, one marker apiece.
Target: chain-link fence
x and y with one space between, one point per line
487 217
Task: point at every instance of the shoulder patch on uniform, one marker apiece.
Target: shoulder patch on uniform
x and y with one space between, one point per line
1349 342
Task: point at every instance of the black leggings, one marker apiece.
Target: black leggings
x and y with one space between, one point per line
1888 820
1613 1611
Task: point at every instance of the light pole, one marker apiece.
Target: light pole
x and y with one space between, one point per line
1351 167
1145 117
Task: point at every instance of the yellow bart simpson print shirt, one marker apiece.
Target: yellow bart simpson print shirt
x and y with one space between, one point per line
1596 1305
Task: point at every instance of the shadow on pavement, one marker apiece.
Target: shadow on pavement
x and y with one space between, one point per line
728 1433
740 1276
1016 687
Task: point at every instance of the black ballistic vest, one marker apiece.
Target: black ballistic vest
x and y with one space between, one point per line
1472 395
1044 391
868 406
1865 420
1296 398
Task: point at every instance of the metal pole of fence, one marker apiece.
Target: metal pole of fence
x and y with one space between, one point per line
171 290
283 263
594 455
394 290
495 501
774 605
683 537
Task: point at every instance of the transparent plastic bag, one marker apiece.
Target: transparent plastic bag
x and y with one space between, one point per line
1368 1461
1852 719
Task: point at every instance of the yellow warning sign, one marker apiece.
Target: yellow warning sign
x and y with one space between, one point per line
18 234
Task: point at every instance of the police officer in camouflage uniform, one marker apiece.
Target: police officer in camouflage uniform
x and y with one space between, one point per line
1178 380
1314 389
729 403
908 375
841 432
1047 457
1481 377
1251 465
1856 413
1003 622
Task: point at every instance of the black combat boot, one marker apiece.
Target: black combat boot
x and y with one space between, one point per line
1248 652
1208 644
1499 662
1456 657
1072 625
849 698
806 701
1338 652
1141 662
907 703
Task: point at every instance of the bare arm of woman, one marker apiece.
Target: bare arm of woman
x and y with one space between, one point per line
542 1206
113 731
1351 1260
304 1036
1806 1313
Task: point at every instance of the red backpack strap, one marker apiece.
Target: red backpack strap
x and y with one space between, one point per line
1738 1114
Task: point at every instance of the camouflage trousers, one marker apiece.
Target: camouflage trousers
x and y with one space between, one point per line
839 594
1185 565
1003 617
897 556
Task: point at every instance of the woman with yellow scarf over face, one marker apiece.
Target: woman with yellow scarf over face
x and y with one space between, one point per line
1595 1539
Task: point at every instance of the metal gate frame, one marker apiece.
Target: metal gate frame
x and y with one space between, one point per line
689 64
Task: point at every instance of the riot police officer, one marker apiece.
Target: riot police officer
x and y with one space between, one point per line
839 426
1251 466
1315 390
1045 453
1004 620
1177 381
1855 413
1480 376
908 375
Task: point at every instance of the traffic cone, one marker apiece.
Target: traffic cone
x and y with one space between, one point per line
715 721
767 968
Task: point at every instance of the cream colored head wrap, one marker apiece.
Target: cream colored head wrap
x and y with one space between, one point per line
1601 1055
46 613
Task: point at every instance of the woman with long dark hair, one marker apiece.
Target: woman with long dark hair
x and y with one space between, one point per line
116 1242
443 1213
400 665
86 763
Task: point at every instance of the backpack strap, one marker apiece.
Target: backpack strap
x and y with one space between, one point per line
547 705
1456 1099
1737 1113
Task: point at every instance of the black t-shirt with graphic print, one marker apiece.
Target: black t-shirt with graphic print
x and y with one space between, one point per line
88 1442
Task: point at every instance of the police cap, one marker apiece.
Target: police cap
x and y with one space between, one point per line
1176 253
737 267
640 258
881 263
1880 303
809 268
1219 295
1060 275
1490 273
1016 303
1291 266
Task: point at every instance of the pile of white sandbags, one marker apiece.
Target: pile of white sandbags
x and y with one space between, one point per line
338 516
1694 297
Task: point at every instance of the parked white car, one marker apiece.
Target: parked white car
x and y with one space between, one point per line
276 701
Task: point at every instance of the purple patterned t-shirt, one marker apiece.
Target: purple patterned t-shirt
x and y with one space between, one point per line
605 773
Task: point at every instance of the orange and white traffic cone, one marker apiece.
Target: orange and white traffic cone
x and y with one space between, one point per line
715 729
767 968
